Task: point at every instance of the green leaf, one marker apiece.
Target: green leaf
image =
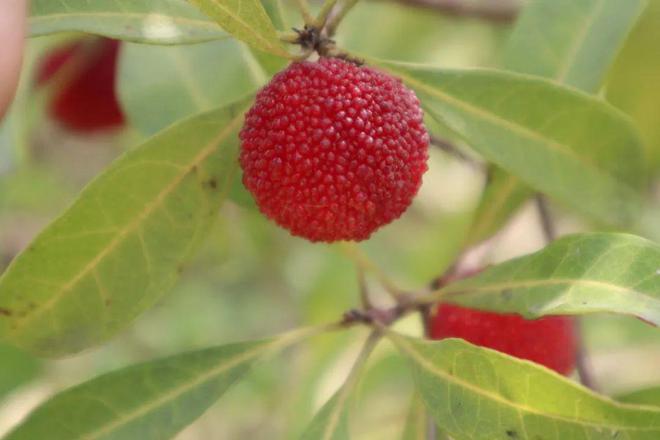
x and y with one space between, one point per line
645 396
145 21
181 81
583 273
16 368
154 400
559 141
185 80
122 244
636 66
417 422
476 393
247 20
571 42
331 422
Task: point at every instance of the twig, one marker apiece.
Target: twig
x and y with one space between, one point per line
502 11
582 364
548 226
448 147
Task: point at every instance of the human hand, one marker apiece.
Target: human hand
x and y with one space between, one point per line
12 35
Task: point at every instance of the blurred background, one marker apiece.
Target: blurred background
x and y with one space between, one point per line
253 279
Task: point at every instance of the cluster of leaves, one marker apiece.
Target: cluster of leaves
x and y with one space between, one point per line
125 240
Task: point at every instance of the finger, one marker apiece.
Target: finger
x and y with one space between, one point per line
12 36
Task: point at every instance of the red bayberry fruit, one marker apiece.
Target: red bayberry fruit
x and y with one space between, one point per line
549 341
332 151
85 99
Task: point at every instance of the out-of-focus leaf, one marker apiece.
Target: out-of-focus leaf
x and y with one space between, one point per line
159 85
583 273
145 21
154 400
645 396
122 244
631 85
16 368
331 422
503 195
247 20
559 141
417 423
571 42
476 393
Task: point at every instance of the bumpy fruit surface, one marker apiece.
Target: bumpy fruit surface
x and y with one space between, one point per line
549 341
332 151
84 74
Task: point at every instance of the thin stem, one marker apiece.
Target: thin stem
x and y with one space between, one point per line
364 292
324 13
305 11
448 147
582 364
288 37
503 11
335 19
547 224
361 259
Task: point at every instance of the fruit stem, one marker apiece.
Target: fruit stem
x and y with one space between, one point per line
305 11
334 20
324 13
364 292
288 37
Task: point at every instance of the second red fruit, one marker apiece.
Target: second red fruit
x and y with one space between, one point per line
84 99
549 341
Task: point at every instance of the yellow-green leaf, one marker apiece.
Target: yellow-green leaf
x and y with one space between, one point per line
476 393
559 141
571 42
577 274
122 244
247 20
644 396
150 401
144 21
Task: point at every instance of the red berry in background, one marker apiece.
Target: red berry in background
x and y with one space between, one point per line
549 341
85 98
332 151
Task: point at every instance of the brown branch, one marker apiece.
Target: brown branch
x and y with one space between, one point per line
545 217
501 11
448 147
